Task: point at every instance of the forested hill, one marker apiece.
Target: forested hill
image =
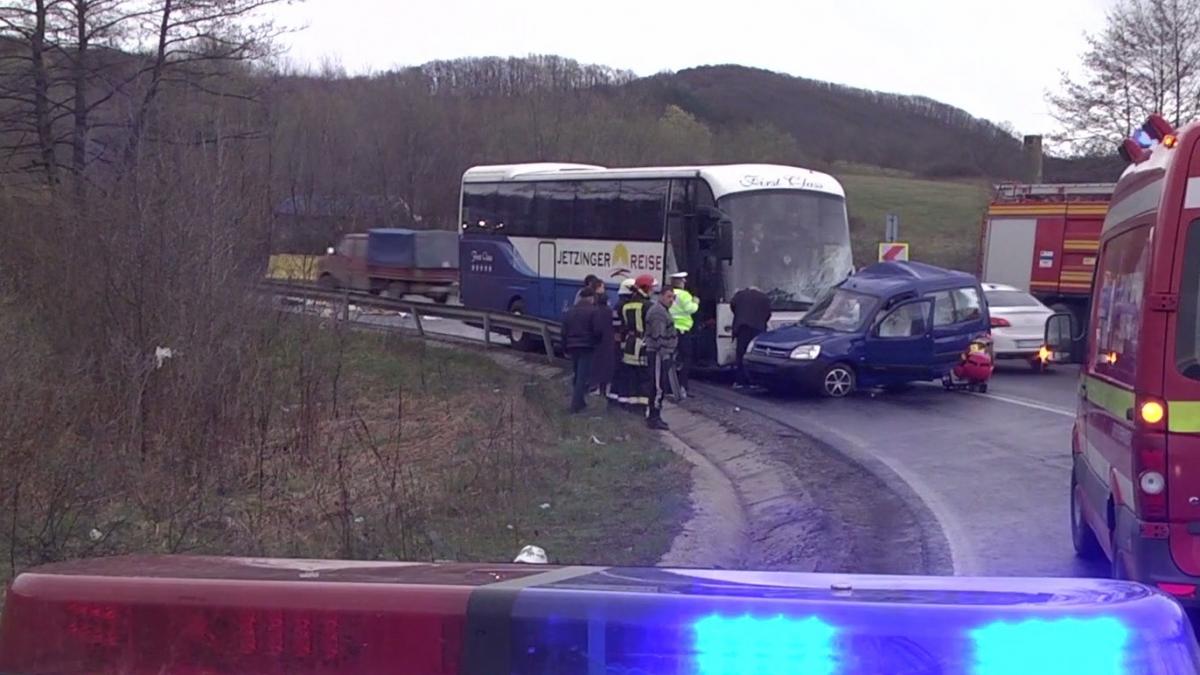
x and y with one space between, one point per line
832 124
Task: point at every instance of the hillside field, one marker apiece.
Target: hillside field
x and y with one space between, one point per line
939 219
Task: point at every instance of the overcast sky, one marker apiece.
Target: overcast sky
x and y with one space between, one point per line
994 59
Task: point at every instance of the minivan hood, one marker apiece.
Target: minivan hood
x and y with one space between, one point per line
790 337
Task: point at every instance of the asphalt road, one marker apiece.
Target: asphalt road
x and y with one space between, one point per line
992 468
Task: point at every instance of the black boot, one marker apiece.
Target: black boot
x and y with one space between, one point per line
657 423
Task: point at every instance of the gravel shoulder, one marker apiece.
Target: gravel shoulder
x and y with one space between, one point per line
807 507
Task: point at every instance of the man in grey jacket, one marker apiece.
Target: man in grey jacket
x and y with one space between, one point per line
661 342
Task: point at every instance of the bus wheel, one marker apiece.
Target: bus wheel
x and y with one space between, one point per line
521 341
1082 536
327 282
838 381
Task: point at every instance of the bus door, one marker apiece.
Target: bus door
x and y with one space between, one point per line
547 279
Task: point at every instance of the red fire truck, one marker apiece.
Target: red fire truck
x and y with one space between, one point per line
1042 238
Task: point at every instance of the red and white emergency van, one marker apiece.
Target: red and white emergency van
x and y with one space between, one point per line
1135 484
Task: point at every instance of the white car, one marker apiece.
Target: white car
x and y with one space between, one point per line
1018 323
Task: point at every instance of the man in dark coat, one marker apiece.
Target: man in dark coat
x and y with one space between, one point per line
751 314
605 360
583 327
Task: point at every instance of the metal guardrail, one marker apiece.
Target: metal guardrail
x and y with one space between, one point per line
549 331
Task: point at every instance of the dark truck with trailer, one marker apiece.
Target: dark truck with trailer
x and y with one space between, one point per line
394 261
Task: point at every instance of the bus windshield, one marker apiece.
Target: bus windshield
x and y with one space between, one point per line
793 244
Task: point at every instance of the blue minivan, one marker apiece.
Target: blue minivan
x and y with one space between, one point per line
890 324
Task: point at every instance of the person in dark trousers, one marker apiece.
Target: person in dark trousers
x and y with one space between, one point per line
605 360
662 339
623 387
751 314
686 305
583 327
634 381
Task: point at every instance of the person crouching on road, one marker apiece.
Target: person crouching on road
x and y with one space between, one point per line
661 341
685 306
583 328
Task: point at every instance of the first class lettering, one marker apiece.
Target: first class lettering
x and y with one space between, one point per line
801 182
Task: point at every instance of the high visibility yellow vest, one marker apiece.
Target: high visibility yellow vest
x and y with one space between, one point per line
685 306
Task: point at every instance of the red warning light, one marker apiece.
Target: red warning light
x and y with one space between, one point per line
1132 152
1158 128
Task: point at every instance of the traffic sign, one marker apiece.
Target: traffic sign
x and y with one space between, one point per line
893 250
891 230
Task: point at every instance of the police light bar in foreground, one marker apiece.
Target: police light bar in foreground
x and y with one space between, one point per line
195 615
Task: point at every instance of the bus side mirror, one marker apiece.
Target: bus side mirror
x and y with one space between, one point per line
716 228
1061 341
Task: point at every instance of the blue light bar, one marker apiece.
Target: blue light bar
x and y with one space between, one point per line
1040 647
732 646
721 623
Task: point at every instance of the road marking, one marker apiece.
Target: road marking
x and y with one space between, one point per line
1029 403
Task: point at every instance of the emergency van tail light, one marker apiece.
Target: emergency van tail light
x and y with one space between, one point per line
1150 500
1152 413
1000 322
579 621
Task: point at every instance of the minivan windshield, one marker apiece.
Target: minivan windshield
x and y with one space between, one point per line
841 310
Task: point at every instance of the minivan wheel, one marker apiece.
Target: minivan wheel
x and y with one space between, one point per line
838 381
1082 537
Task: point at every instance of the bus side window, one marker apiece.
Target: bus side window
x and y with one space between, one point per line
1121 279
514 208
596 210
640 214
554 208
479 205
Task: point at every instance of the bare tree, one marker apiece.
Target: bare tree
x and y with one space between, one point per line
1146 60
